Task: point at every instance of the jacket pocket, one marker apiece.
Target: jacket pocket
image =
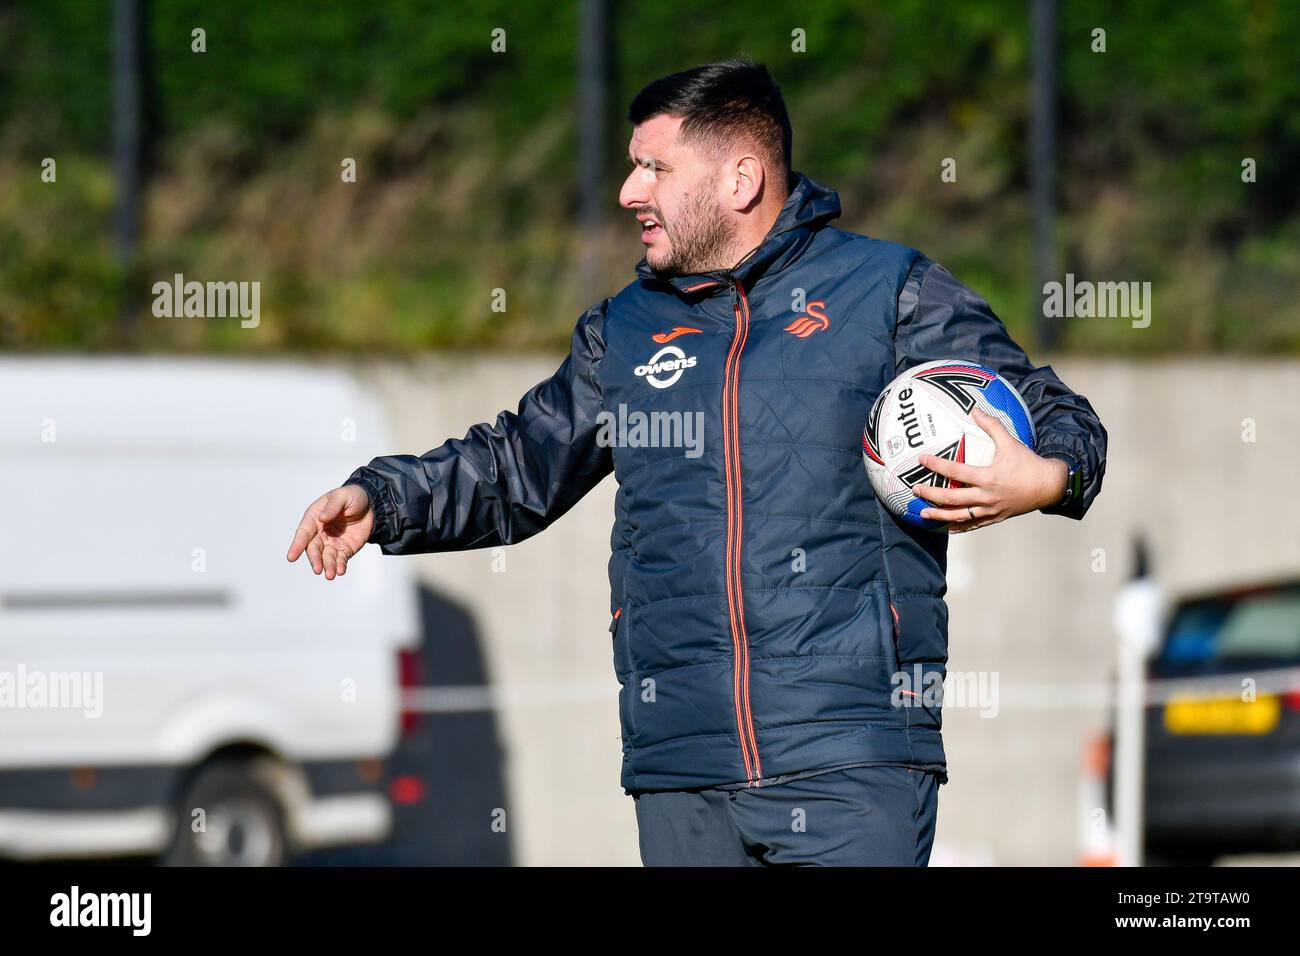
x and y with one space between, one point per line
622 658
627 678
620 628
884 646
886 626
619 564
920 639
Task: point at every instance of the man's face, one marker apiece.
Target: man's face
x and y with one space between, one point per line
673 192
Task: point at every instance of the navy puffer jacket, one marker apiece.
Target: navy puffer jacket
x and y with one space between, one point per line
763 603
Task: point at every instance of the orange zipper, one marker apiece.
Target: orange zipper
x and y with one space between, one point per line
735 532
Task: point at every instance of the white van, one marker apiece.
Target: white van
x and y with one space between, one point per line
169 684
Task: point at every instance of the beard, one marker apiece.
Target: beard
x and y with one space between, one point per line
701 238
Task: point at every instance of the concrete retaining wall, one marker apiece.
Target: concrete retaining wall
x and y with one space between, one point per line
1031 600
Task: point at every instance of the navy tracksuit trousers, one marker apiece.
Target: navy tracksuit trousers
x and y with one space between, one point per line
859 816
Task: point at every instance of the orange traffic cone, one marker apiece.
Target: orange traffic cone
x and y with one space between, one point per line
1096 838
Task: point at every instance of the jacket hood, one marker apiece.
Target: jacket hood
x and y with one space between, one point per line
808 208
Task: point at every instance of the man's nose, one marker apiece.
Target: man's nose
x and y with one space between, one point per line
634 192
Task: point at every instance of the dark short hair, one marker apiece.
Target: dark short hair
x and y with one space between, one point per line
720 103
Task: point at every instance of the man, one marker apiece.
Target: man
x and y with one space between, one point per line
763 601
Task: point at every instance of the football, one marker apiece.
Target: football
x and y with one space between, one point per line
927 411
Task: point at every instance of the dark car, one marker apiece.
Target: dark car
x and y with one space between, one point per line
1223 727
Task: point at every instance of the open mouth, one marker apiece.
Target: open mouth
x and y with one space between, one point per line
650 229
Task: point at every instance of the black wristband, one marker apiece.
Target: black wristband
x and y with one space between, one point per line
1073 486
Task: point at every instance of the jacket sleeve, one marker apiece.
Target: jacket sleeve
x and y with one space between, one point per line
939 318
504 482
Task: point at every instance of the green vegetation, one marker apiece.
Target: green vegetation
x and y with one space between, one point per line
467 173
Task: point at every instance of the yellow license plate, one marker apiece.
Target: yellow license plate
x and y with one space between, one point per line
1222 715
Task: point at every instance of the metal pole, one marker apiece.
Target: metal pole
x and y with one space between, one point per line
126 136
1137 621
1042 162
591 137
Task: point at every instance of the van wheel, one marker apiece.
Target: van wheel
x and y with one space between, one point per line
242 820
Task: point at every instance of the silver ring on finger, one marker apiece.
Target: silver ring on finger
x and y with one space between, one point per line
970 511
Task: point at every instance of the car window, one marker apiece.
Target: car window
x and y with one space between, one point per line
1218 633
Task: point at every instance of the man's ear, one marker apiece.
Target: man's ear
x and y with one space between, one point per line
746 180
